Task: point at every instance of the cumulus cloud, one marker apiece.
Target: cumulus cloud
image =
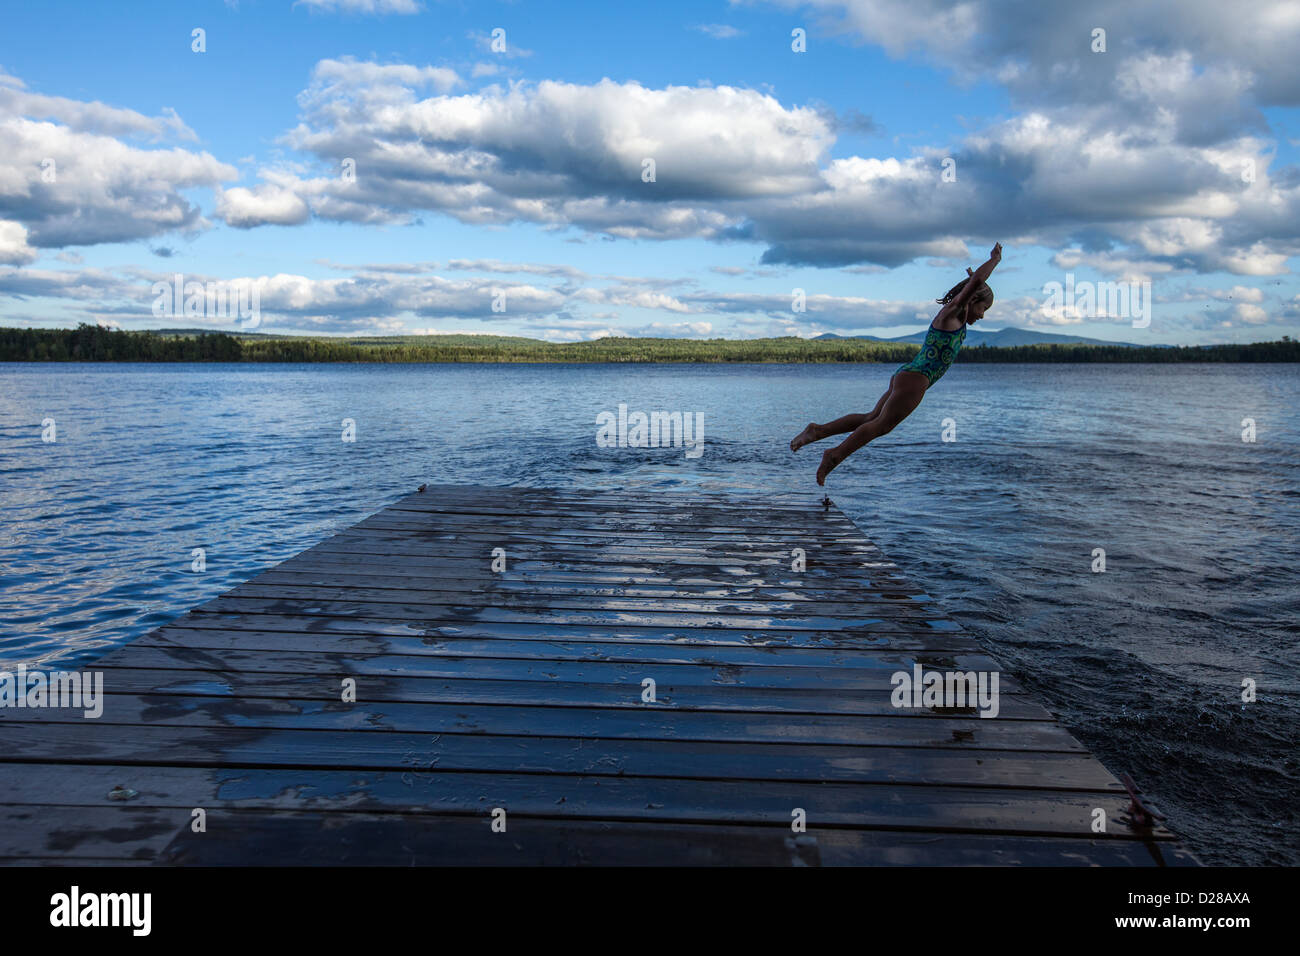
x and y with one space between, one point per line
631 297
264 204
1122 268
1135 175
363 302
1247 313
68 178
80 285
87 117
1044 54
550 153
14 249
821 311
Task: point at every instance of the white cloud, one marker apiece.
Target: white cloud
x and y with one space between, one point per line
719 31
733 164
1237 293
527 268
87 117
267 203
81 285
13 244
68 179
821 310
363 6
1044 55
673 330
372 82
1249 314
634 298
551 153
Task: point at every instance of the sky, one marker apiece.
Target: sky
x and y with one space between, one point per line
701 169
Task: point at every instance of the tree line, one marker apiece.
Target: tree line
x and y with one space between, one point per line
92 343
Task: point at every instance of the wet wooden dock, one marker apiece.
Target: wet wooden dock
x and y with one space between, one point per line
520 695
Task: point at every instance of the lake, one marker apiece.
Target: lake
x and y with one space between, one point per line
1145 662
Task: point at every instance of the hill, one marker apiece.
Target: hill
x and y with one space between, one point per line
1001 338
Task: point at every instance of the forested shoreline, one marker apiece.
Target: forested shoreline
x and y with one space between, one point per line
89 343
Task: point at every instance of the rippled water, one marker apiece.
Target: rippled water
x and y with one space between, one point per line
1144 662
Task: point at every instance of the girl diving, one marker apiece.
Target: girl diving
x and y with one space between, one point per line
965 304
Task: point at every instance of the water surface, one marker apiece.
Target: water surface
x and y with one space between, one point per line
1144 663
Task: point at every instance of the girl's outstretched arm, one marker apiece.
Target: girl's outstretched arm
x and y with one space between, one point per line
977 278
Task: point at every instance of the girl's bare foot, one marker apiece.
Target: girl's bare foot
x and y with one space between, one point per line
809 434
830 459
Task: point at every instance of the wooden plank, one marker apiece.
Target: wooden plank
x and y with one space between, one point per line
899 652
125 833
368 839
694 523
470 538
289 753
650 499
917 729
875 618
486 581
410 572
742 573
547 600
901 634
400 543
548 664
479 688
880 806
593 531
233 755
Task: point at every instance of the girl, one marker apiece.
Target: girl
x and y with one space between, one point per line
965 303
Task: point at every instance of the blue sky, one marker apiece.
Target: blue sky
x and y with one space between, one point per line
514 175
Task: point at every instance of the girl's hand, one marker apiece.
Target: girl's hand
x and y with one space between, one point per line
996 254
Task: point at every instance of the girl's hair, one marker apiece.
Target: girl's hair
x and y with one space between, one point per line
983 292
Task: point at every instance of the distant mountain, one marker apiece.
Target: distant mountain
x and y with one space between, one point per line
1002 338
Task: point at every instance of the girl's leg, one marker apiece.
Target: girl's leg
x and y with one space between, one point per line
904 395
847 423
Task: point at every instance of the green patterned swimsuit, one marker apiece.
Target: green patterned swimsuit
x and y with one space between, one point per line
937 352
